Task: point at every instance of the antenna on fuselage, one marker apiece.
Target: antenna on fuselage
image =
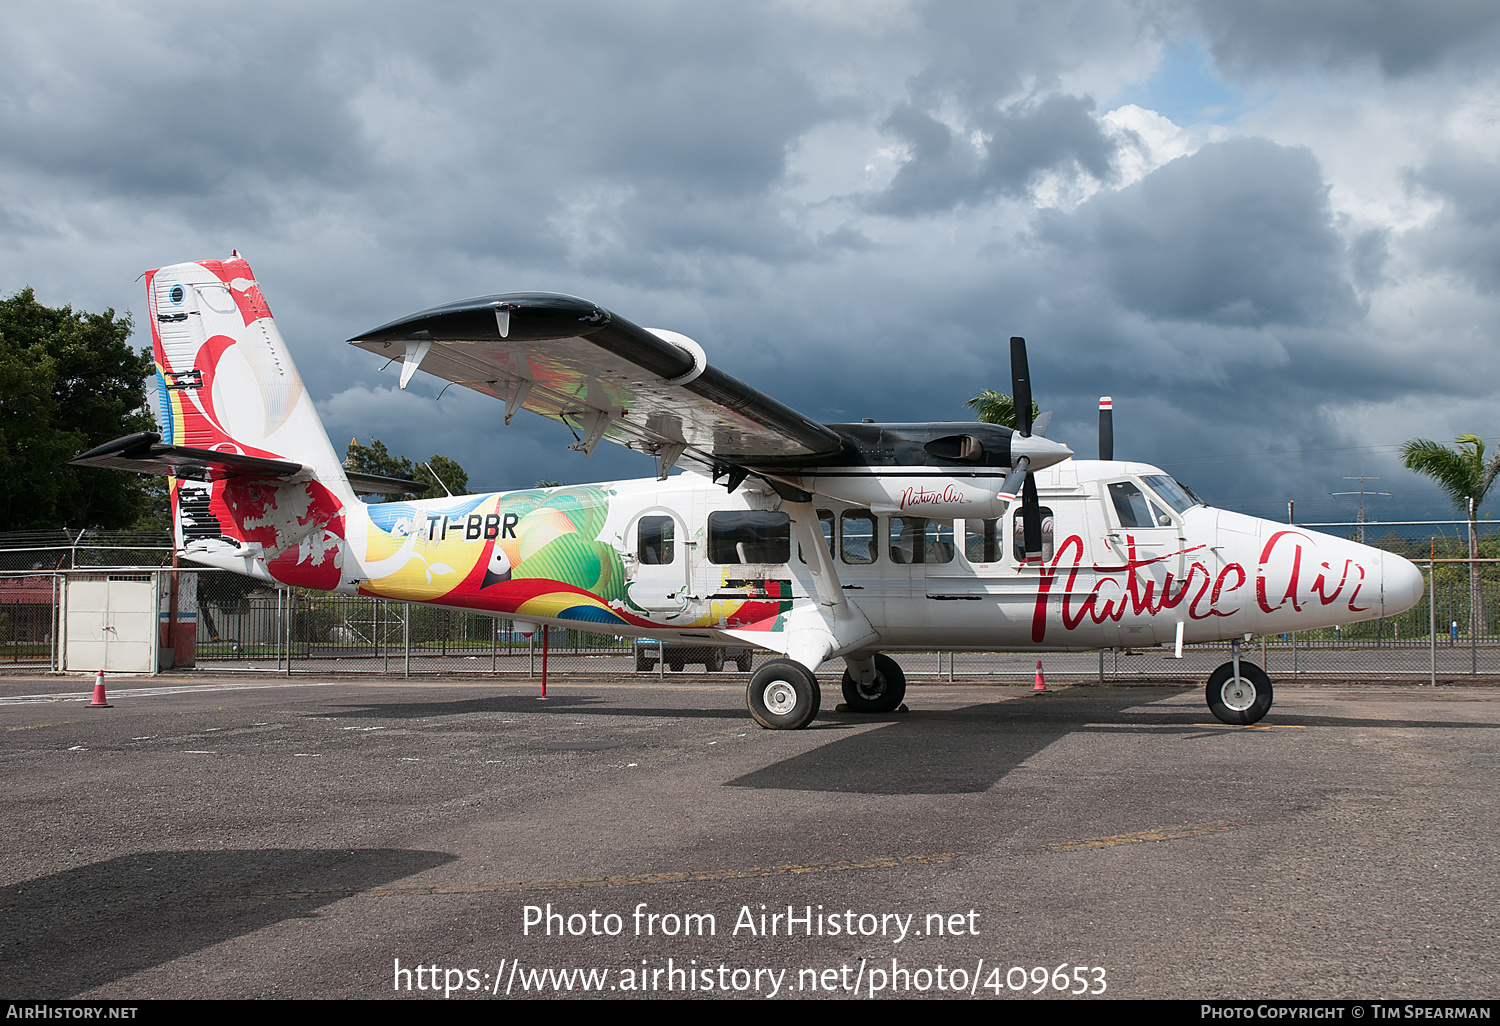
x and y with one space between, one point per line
1106 428
437 479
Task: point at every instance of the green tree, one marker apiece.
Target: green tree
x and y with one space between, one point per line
375 458
68 382
1466 477
991 407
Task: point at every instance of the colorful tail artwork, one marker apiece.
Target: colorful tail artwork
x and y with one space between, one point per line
227 383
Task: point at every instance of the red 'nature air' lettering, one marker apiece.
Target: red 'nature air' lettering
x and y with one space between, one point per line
1139 596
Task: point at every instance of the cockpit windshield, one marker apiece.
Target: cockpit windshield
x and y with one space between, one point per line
1179 497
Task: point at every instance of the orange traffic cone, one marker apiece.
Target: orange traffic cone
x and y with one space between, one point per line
99 701
1041 682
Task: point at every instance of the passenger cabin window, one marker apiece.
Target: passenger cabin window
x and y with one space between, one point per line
825 521
919 540
982 541
857 533
655 539
1134 509
749 536
1019 543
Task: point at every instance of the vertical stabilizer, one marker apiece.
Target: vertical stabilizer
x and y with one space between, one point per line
226 382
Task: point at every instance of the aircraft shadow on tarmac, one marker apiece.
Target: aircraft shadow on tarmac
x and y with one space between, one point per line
969 750
957 751
79 929
573 705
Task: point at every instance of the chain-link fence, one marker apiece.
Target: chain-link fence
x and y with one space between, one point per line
243 624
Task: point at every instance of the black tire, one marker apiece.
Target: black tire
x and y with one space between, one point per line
642 664
675 665
1241 704
783 695
714 661
744 662
883 694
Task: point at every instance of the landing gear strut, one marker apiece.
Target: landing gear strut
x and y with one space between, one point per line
1239 692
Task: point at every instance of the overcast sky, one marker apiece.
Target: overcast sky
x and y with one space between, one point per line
1266 227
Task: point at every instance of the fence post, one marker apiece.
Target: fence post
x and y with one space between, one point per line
406 636
1101 666
1294 654
1432 620
494 642
291 617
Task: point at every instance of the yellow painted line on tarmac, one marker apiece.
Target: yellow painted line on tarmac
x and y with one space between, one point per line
1164 834
591 882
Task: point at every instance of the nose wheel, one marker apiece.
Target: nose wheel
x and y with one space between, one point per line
1239 700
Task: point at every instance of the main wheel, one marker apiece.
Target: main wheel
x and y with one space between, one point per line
881 695
714 662
1243 701
783 695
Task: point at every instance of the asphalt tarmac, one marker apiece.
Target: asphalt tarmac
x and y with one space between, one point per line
243 837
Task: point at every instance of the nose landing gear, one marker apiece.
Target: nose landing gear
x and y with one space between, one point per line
1238 692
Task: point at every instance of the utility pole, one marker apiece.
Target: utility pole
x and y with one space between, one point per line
1361 493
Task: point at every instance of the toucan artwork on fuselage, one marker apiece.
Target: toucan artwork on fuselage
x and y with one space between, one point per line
811 541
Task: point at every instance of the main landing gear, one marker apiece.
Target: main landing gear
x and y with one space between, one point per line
881 695
784 695
1239 692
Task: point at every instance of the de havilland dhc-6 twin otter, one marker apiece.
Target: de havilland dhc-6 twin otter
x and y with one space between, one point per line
813 541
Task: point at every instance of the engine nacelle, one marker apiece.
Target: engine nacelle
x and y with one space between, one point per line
940 497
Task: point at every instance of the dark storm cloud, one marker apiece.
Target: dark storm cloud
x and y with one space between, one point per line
1401 36
1238 234
174 106
1019 142
1464 238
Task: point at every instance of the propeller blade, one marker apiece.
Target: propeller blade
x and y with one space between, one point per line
1106 428
1042 420
1020 385
1031 520
1011 487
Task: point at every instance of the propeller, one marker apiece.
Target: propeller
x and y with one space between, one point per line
1020 474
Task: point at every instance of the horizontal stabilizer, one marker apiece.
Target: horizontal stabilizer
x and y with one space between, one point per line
143 453
374 484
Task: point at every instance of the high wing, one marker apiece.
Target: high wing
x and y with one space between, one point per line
604 377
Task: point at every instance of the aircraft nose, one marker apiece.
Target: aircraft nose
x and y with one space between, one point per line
1401 584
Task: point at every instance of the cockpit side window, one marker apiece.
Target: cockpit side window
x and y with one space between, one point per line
1172 493
1134 509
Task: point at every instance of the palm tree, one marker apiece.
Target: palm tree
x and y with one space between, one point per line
1465 477
991 407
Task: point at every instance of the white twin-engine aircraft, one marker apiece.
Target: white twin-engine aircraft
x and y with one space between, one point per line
814 541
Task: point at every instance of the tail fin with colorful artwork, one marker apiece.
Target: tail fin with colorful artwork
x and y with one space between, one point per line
256 485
